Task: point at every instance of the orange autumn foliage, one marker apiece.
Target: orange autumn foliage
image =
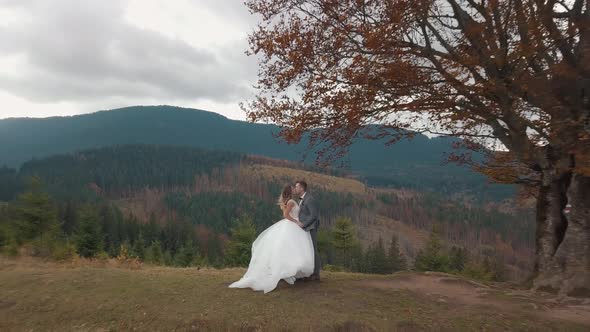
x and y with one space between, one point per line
511 73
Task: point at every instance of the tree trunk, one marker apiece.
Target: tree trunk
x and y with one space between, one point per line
563 239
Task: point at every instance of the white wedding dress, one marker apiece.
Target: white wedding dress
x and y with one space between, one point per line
282 251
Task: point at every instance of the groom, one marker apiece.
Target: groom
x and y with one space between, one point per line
308 216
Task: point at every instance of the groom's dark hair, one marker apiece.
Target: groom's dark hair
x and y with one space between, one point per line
303 184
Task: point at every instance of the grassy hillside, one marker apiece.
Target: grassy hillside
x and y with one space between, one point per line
98 297
317 180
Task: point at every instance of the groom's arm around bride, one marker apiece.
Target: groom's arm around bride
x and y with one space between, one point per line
309 213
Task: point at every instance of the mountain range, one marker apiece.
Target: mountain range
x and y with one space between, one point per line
418 163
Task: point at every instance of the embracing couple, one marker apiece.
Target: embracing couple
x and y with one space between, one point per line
288 249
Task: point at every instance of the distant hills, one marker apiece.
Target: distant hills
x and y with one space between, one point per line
417 163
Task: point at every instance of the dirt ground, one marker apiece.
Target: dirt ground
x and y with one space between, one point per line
91 296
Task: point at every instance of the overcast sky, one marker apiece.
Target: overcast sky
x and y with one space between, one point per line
65 57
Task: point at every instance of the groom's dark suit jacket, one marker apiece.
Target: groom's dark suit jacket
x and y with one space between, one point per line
308 213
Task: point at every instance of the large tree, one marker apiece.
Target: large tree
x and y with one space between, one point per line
513 75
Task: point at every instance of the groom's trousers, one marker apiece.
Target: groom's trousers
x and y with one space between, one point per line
316 267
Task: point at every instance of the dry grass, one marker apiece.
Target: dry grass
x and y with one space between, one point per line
145 203
84 297
314 180
410 239
403 193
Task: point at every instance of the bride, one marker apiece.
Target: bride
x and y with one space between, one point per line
282 251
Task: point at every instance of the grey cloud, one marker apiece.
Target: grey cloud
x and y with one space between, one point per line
85 50
231 8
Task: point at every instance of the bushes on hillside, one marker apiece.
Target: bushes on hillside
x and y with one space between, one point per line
97 229
239 248
433 257
340 250
35 223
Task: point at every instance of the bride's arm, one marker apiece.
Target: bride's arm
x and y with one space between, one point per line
287 211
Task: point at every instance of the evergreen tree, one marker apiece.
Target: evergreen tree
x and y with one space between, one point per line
185 255
168 260
35 213
152 229
215 249
112 238
70 218
432 257
89 236
154 254
457 259
138 249
113 251
238 250
344 241
10 183
397 260
200 260
358 260
325 247
377 261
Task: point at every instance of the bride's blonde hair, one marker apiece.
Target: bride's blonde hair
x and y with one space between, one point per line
286 195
